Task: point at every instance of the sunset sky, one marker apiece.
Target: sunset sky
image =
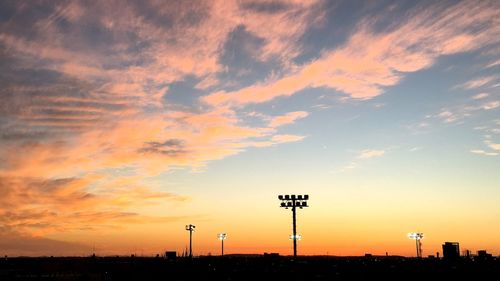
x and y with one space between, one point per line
121 122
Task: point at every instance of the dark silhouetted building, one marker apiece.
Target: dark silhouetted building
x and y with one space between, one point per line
483 255
271 255
451 250
171 255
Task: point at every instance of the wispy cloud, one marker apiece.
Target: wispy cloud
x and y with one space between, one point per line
480 96
491 144
363 155
417 148
490 105
495 146
461 112
371 153
40 206
482 152
349 167
447 116
286 138
493 64
288 118
478 82
362 71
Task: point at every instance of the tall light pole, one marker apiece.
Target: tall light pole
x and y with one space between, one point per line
190 228
222 237
294 201
417 236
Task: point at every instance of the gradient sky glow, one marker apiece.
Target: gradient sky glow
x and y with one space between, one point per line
121 122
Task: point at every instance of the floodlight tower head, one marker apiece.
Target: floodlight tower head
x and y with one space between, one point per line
416 235
222 236
292 201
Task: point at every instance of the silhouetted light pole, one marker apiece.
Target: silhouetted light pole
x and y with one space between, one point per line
417 236
190 228
293 201
222 237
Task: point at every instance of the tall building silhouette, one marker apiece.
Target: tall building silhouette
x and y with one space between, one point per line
451 250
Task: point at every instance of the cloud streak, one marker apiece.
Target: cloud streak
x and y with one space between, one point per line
288 118
363 70
370 153
482 152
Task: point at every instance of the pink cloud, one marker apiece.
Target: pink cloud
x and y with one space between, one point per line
478 82
286 138
288 118
45 174
276 139
362 70
37 206
480 96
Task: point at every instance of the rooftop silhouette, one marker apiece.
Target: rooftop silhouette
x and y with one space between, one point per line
246 267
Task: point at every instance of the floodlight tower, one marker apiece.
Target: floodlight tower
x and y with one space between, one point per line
190 228
417 236
222 237
293 201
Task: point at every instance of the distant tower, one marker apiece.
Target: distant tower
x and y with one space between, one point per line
418 236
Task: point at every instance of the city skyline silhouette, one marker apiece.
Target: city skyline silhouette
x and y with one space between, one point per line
146 127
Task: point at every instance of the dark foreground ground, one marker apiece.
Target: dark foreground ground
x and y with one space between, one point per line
247 268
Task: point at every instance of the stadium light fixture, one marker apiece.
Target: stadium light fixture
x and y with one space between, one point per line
294 201
222 237
418 236
190 228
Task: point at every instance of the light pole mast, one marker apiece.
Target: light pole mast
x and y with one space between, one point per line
294 201
294 237
190 228
417 236
222 237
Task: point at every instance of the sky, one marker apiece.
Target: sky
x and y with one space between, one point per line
123 121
